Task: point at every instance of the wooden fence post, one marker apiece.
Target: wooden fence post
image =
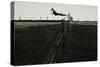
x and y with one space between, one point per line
68 34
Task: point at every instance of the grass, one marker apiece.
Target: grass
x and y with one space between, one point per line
81 45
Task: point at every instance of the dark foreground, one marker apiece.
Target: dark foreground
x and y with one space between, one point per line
34 44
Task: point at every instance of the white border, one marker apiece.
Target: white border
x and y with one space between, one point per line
5 33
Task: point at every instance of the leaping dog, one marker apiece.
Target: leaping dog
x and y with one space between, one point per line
56 13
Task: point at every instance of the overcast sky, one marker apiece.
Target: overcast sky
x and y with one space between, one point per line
33 10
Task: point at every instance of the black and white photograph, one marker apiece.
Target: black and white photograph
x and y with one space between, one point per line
50 33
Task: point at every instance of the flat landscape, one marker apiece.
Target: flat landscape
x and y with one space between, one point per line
33 43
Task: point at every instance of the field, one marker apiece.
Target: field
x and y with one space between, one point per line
33 43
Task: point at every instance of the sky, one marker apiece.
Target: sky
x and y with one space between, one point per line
35 10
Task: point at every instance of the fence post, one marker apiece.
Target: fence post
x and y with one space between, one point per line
68 30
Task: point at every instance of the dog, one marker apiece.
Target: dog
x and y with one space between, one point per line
56 13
